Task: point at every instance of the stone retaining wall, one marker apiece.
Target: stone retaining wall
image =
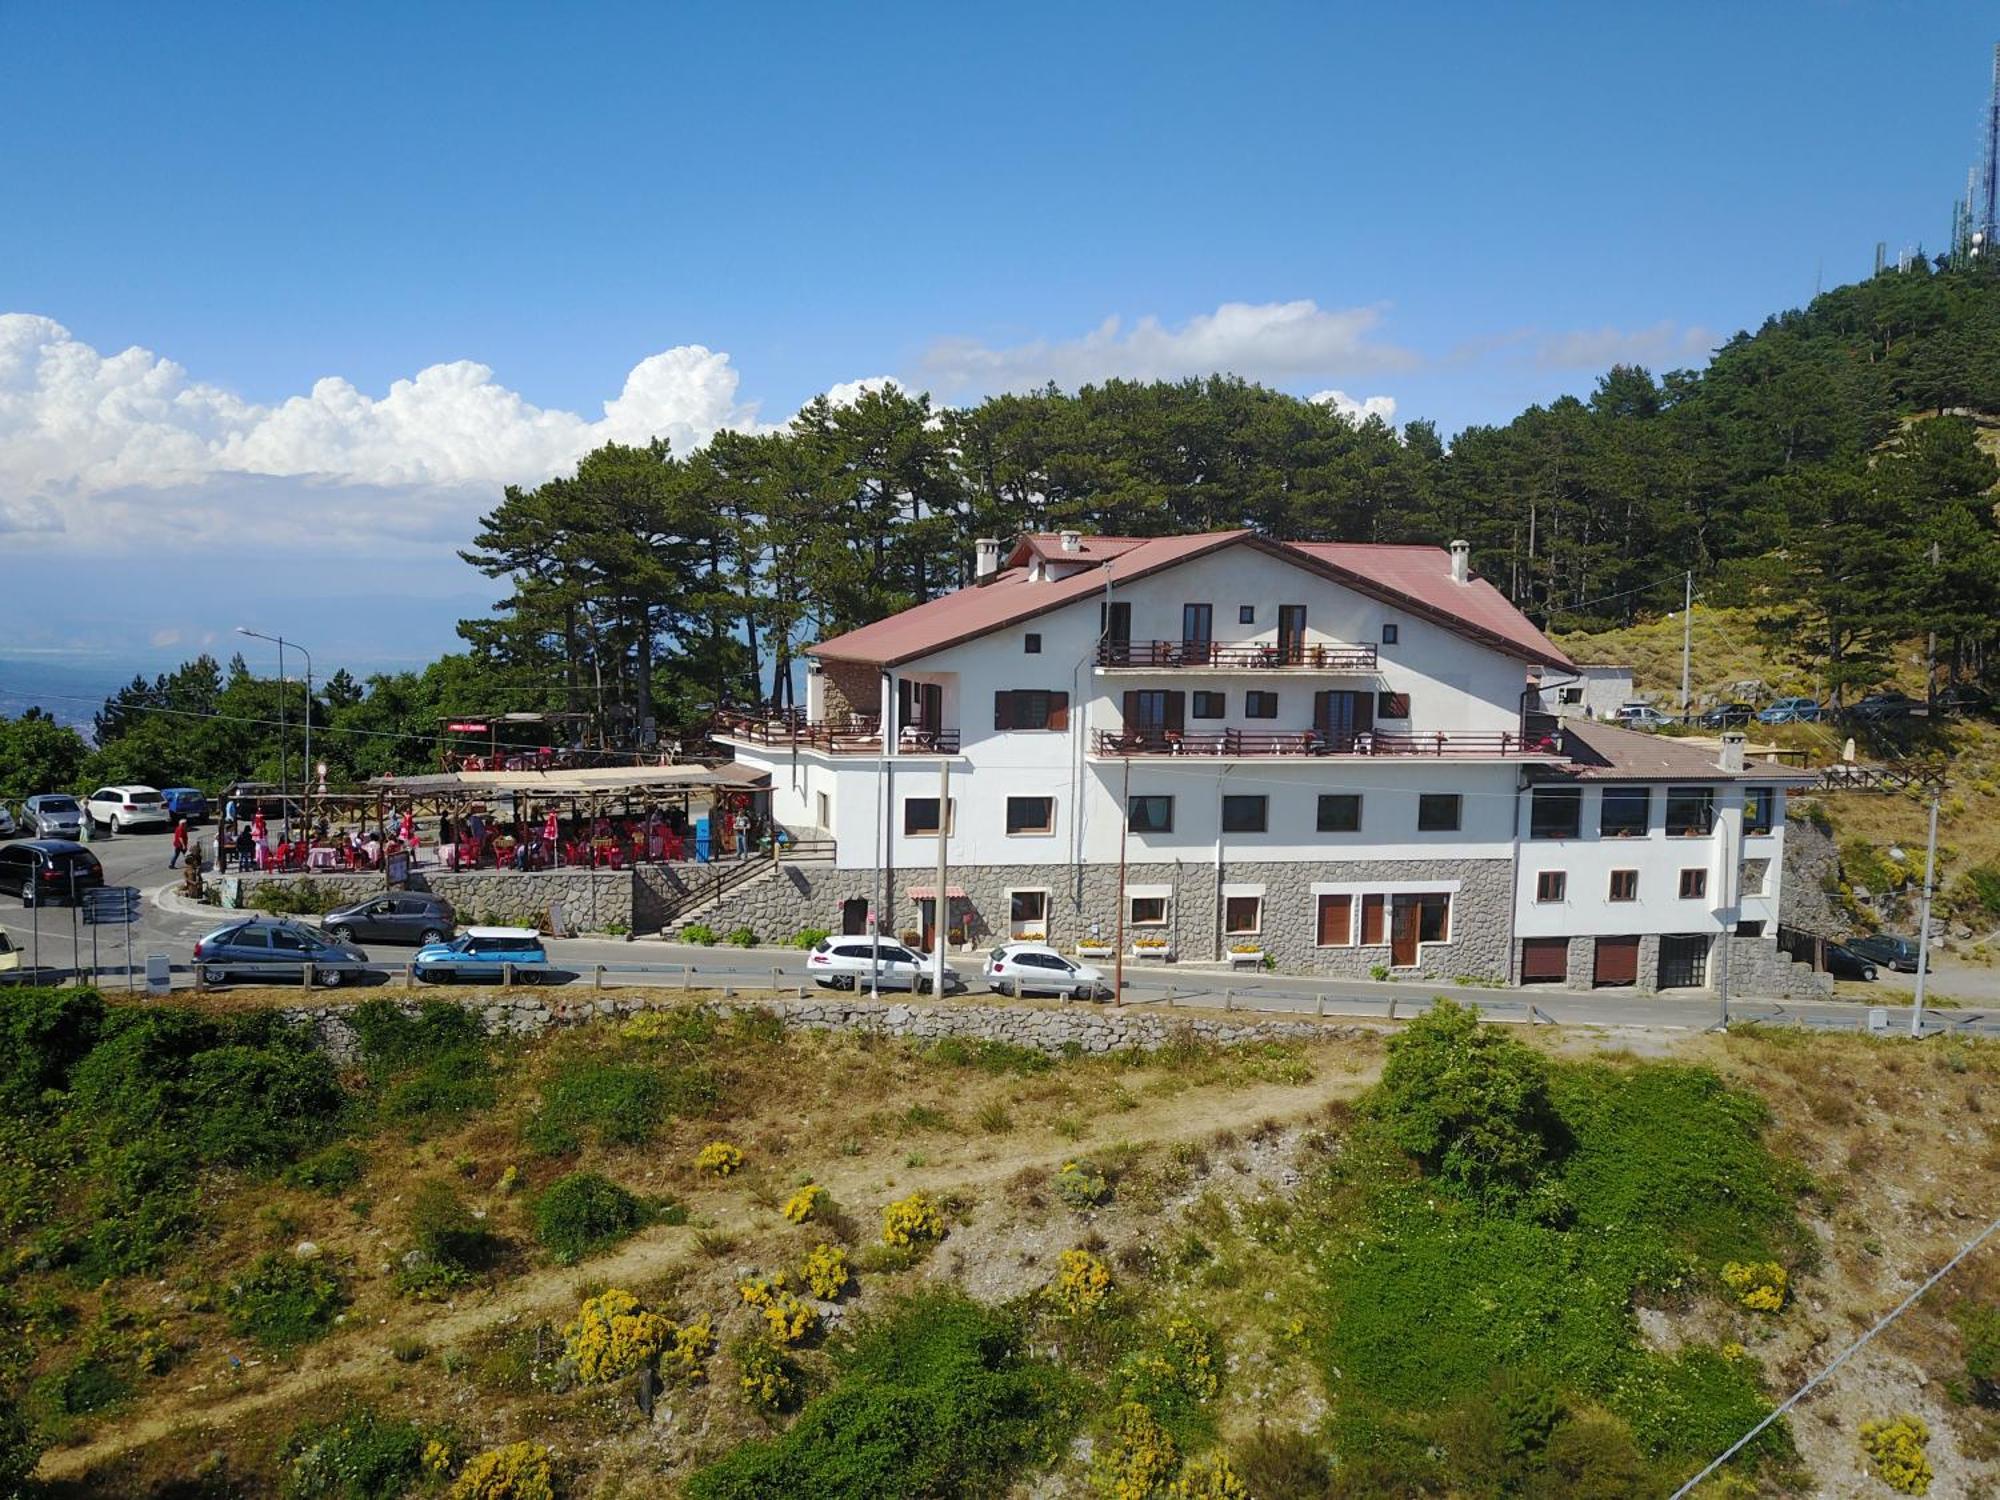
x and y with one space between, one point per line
592 900
1054 1029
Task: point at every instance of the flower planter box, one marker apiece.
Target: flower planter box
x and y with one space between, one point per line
1095 950
1254 958
1159 954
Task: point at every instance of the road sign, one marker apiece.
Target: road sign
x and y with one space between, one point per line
111 906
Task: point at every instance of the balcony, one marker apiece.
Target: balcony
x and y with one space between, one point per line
1218 657
1460 744
858 734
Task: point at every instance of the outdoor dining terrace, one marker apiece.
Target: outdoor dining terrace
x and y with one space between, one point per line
854 734
1462 744
1250 657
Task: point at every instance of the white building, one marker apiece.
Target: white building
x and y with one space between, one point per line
1320 751
1595 691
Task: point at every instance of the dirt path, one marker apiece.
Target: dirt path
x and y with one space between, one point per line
555 1292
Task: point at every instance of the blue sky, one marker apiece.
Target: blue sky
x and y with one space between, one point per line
1459 209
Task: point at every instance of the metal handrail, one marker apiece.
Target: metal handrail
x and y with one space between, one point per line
1438 743
1250 656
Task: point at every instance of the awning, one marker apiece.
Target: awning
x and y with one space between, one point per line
927 892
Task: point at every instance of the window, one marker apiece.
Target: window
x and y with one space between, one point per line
1372 908
1336 921
1246 614
1245 814
1197 630
1749 929
1028 914
1551 885
1032 643
1148 911
1690 811
1694 884
1258 705
1210 705
1340 812
1434 918
1570 695
1625 812
1114 622
1031 708
1388 635
920 816
1031 815
1242 914
1624 885
1149 815
1392 705
1556 812
1759 804
1437 812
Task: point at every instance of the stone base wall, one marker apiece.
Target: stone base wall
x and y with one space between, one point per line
1054 1029
783 900
1757 970
592 900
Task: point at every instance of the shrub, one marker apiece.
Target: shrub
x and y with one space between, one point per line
452 1243
768 1378
1895 1451
359 1456
825 1272
1081 1185
699 933
1759 1286
1210 1477
83 1386
1980 1327
620 1105
1183 1366
790 1319
44 1033
1134 1456
284 1301
744 937
807 937
613 1336
295 898
718 1159
1082 1283
584 1213
987 1056
332 1170
20 1448
519 1471
1979 889
804 1203
1278 1463
915 1220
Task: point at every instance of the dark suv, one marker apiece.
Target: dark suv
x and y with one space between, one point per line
48 872
399 917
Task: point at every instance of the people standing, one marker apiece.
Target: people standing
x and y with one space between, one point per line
180 843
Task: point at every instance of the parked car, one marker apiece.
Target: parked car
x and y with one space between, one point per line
124 808
1964 700
1037 969
1886 705
252 947
1845 963
52 816
9 828
403 917
185 802
1887 951
1792 711
48 872
1640 716
10 961
1728 716
481 952
846 963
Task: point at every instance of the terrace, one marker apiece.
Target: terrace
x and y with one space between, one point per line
856 734
1462 744
1252 656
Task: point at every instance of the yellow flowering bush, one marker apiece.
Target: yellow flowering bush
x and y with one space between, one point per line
613 1336
683 1357
437 1457
1134 1457
760 1291
1895 1449
1209 1478
718 1158
789 1318
1081 1185
1082 1282
769 1382
1185 1361
509 1180
912 1220
1758 1285
800 1206
825 1271
519 1471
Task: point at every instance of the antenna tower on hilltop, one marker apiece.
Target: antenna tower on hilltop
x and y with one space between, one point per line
1986 228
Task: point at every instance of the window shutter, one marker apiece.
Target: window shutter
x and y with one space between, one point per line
1336 921
1364 713
902 703
1003 710
1131 710
1323 714
1392 705
1059 710
1176 711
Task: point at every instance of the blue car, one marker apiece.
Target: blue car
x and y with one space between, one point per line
185 802
480 953
1792 711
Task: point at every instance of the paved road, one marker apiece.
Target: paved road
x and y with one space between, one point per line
141 860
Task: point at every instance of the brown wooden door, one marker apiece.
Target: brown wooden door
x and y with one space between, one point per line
1291 633
1371 921
1336 921
1617 961
1339 715
854 917
1544 960
1403 932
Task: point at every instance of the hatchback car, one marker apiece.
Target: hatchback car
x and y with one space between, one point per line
1886 705
483 953
123 808
1792 711
1887 951
1728 716
852 963
52 816
1845 963
48 872
1641 716
1037 969
262 948
401 917
185 802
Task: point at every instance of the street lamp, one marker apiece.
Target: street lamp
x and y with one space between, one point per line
284 788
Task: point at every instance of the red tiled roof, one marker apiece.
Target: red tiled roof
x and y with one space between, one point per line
1414 578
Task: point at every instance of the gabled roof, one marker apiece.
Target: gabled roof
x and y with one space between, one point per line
1416 579
1608 752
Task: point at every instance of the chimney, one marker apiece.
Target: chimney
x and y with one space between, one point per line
1461 562
986 554
1732 751
1072 541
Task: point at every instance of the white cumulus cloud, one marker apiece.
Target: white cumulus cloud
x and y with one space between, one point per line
1359 411
1666 343
1258 340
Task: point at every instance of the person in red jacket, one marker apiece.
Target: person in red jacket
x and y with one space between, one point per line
180 843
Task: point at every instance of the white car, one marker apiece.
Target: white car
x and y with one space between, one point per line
124 808
1037 969
8 827
1641 716
845 963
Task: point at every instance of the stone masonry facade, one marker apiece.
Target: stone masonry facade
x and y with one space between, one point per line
592 900
1756 969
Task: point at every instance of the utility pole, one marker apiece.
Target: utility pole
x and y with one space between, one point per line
1924 924
1124 838
1687 638
1930 651
941 898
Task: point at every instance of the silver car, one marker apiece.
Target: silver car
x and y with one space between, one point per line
8 827
53 816
1037 969
857 963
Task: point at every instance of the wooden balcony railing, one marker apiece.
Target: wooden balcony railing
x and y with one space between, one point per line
1444 744
859 734
1252 657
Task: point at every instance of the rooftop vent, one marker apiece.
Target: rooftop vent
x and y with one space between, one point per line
1072 541
1732 751
986 555
1461 562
